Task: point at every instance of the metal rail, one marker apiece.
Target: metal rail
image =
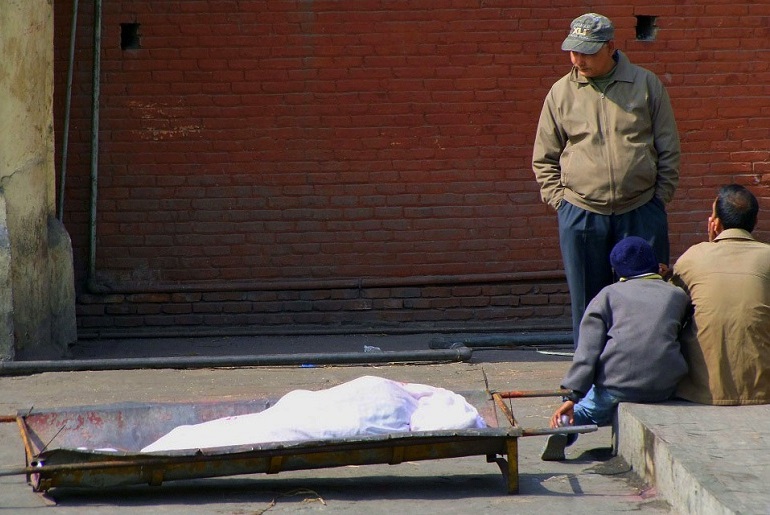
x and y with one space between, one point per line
308 360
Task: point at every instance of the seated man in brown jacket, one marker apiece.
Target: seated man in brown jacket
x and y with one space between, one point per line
727 345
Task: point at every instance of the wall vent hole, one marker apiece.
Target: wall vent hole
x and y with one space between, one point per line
646 30
129 36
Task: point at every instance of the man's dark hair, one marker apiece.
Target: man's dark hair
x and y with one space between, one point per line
737 207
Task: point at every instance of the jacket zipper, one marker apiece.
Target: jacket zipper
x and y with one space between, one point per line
606 136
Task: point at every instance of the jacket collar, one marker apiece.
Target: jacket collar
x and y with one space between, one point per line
734 234
624 72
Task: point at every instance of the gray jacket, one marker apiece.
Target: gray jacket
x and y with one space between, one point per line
629 341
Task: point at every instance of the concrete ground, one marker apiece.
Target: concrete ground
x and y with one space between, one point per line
589 481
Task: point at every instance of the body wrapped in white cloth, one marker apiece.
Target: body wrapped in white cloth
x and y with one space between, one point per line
365 406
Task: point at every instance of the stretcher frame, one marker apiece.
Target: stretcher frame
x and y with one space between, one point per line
98 446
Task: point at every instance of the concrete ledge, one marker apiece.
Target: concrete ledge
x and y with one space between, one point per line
701 459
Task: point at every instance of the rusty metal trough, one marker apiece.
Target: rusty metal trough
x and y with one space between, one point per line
98 446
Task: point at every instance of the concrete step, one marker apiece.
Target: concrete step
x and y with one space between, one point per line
701 459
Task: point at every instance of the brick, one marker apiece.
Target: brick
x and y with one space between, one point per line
148 298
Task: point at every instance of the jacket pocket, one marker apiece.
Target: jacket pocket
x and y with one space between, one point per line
638 174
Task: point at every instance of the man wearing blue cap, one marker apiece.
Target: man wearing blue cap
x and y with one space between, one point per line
629 348
606 157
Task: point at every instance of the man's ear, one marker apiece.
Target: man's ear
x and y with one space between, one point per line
715 227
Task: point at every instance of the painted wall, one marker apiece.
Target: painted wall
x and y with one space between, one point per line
366 163
37 295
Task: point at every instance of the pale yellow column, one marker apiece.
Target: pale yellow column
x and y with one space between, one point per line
37 301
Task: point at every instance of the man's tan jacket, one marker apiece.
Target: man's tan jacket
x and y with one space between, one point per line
607 152
727 345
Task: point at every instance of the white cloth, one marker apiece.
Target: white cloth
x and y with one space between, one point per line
365 406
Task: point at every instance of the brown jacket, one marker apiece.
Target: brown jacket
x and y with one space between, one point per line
727 346
607 152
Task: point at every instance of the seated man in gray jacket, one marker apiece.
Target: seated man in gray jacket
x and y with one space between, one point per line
628 348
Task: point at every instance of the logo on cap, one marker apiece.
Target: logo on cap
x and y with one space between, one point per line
579 31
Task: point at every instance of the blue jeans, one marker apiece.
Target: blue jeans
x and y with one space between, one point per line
597 407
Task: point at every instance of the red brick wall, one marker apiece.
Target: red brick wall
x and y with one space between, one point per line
364 163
